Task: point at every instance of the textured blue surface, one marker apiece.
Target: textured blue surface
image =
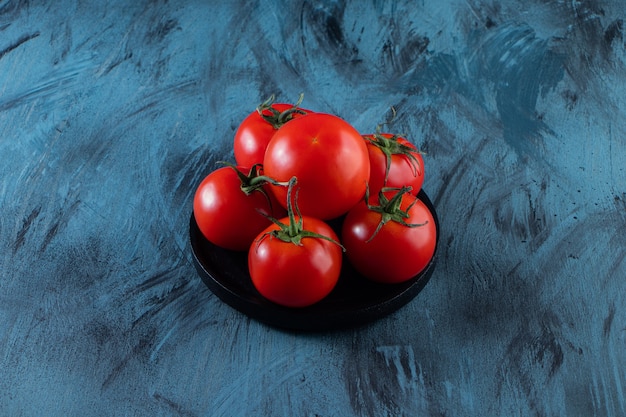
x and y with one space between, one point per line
112 112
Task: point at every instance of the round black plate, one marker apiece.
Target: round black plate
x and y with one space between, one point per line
354 301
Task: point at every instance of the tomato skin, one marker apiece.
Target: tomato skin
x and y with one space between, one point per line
328 156
397 253
292 275
228 217
253 135
402 171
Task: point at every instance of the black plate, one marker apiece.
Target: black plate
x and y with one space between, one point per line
353 302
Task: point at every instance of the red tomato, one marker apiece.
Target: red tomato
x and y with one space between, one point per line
228 216
256 130
292 274
329 158
395 162
395 252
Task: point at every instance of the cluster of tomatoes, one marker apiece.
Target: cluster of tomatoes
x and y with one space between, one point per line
296 171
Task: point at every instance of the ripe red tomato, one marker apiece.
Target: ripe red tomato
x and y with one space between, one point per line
229 216
395 162
256 130
329 158
292 274
391 251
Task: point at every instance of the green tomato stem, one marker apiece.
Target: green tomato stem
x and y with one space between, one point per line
294 231
390 209
253 180
277 118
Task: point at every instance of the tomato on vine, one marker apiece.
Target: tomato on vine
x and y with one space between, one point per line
231 207
256 130
392 239
395 162
328 156
296 261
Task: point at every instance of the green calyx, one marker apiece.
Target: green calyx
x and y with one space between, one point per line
254 181
390 208
390 146
277 118
294 231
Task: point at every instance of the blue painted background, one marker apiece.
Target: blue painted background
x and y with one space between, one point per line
111 113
